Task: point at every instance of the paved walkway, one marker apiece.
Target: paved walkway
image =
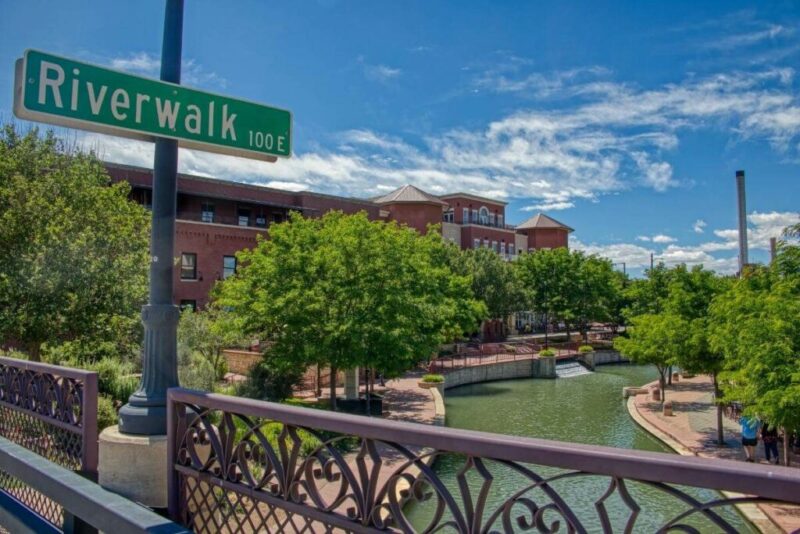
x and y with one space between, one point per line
691 430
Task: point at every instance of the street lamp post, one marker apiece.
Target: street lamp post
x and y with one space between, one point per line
146 411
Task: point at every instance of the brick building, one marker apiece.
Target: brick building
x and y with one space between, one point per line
217 218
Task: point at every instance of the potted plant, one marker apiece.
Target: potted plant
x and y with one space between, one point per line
431 381
547 353
583 349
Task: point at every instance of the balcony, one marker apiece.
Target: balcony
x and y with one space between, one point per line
257 223
489 223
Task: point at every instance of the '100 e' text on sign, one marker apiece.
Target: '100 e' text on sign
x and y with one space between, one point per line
69 93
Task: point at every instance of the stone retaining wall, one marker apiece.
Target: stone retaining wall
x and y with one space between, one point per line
601 357
240 361
540 368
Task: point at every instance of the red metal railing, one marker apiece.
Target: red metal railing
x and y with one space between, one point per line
490 353
240 465
52 411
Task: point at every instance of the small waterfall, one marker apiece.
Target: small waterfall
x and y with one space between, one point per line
569 369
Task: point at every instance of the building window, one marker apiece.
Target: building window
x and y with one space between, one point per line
486 243
277 218
503 249
449 216
147 199
484 215
499 220
189 305
465 216
188 266
511 249
494 246
207 212
244 216
491 219
261 222
474 216
228 266
476 243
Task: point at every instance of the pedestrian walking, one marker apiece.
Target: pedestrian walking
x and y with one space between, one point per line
769 437
750 428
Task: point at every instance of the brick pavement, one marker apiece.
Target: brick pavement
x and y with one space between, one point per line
692 428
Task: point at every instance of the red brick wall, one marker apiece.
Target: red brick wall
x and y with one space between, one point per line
323 203
416 216
471 232
547 238
210 242
459 203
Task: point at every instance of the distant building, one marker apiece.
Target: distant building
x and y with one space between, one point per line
217 218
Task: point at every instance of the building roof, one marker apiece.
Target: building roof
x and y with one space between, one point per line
474 197
540 220
409 193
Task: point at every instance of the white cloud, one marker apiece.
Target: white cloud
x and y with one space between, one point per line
381 73
549 206
614 138
762 227
699 226
661 238
658 238
192 73
748 38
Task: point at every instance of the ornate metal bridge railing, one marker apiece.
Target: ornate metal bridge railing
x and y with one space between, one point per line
238 465
52 411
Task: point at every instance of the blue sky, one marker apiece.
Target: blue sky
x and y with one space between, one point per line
625 120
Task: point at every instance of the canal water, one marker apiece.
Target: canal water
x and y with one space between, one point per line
585 409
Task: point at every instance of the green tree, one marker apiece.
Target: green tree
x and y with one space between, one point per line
343 291
690 293
73 251
648 294
494 282
597 293
756 326
549 280
655 339
202 337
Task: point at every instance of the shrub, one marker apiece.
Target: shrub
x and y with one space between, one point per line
115 379
196 372
268 381
433 379
547 353
106 412
583 349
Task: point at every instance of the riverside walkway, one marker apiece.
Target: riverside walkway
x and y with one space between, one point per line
691 431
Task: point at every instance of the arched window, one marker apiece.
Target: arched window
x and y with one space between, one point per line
484 215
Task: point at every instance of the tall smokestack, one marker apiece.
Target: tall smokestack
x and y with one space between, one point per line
742 221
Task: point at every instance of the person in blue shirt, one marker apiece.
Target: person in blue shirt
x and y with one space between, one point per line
750 428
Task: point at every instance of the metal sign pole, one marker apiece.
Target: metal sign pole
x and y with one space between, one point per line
146 411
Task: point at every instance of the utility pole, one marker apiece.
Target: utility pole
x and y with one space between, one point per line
740 196
773 249
651 261
146 411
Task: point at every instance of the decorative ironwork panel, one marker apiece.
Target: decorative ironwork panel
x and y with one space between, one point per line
51 411
246 466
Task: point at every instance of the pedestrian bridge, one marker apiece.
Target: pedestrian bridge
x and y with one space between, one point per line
239 465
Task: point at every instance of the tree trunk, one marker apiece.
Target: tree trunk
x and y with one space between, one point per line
318 382
34 350
333 388
787 437
669 375
720 436
662 383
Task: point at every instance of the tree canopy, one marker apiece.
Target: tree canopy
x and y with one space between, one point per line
73 251
343 291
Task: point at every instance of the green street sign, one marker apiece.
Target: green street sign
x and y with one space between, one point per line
71 93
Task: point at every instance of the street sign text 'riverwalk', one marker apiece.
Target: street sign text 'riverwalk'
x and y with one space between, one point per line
70 93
